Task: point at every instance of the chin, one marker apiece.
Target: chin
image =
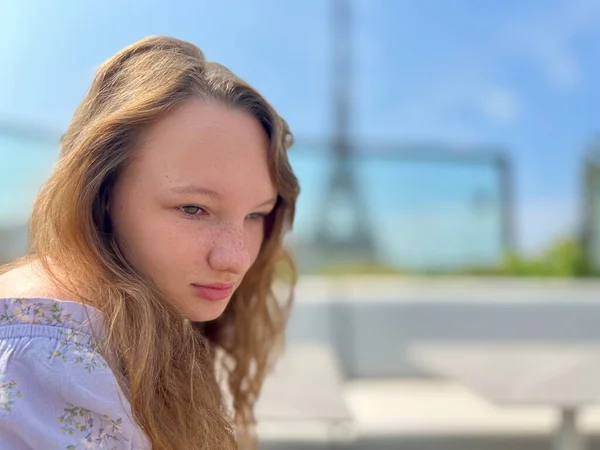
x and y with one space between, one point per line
206 311
203 318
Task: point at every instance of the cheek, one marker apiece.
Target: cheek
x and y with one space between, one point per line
178 242
158 241
254 240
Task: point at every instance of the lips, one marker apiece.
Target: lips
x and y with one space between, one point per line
214 292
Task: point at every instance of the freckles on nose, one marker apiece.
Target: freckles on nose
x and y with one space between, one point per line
228 236
234 241
228 250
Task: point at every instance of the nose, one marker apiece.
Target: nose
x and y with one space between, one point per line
229 252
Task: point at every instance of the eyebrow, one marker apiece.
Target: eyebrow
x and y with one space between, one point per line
269 202
194 189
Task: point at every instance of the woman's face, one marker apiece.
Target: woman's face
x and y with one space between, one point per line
189 209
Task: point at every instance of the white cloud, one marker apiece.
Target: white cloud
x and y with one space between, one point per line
554 54
500 105
550 39
451 108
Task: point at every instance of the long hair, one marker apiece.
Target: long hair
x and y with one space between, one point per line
180 376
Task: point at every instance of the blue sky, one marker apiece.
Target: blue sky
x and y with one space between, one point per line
516 74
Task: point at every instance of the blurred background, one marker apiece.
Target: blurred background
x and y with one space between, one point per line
449 164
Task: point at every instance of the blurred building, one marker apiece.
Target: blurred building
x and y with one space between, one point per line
591 206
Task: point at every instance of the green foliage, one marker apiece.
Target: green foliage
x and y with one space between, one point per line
565 258
358 269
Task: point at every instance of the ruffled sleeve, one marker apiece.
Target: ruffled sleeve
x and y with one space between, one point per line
57 392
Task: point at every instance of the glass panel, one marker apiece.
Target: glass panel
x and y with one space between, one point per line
25 163
429 214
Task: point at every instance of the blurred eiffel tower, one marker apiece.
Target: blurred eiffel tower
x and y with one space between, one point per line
353 241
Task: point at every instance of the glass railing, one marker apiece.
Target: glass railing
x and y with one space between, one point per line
25 163
433 213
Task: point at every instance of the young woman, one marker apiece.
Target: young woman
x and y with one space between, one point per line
145 314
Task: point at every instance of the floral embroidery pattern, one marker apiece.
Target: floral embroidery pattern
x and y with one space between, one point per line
37 313
7 394
94 432
76 347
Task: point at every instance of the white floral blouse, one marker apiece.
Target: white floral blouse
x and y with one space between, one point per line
56 390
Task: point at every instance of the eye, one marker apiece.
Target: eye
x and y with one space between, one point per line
257 216
191 210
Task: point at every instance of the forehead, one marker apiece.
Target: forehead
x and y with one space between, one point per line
207 144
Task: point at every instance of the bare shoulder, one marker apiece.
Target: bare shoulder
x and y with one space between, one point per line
27 280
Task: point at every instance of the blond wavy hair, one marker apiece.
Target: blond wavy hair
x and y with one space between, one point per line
179 374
